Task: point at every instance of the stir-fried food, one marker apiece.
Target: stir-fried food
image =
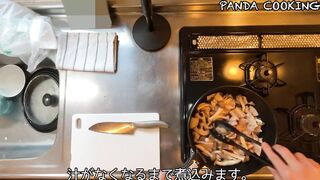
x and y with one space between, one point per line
238 112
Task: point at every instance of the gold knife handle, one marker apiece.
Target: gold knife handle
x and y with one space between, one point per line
150 124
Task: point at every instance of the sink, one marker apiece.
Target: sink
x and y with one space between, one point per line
17 138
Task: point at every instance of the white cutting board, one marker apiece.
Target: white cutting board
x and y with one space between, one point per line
109 151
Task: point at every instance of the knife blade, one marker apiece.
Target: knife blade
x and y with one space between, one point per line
125 127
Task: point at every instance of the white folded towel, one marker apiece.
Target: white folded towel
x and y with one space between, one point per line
87 51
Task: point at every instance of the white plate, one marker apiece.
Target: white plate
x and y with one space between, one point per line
12 80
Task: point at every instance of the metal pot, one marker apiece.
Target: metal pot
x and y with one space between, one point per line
40 100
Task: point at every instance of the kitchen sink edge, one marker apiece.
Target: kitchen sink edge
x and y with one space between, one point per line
51 163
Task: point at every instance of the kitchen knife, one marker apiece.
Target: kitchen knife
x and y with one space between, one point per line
125 127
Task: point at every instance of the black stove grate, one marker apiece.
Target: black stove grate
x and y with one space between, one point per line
261 75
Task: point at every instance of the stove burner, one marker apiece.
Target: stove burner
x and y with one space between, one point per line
261 74
265 72
304 123
310 123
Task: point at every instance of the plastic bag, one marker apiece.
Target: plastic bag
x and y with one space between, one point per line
25 34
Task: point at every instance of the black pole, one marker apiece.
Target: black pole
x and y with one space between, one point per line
151 31
147 12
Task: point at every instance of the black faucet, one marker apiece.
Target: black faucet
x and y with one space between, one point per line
151 31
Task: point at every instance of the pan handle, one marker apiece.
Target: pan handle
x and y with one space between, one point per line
192 162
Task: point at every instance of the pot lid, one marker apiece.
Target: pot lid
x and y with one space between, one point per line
41 99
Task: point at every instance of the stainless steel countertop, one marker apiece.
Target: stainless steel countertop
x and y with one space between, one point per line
144 82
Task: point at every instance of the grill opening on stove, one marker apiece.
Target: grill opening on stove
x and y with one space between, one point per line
256 41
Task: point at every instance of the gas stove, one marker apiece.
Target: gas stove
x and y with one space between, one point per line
282 64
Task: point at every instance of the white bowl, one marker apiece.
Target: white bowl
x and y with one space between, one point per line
12 80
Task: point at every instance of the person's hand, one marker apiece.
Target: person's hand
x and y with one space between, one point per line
296 166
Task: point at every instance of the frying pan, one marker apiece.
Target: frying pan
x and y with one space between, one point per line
269 130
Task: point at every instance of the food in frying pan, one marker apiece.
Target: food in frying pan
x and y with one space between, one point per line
238 112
